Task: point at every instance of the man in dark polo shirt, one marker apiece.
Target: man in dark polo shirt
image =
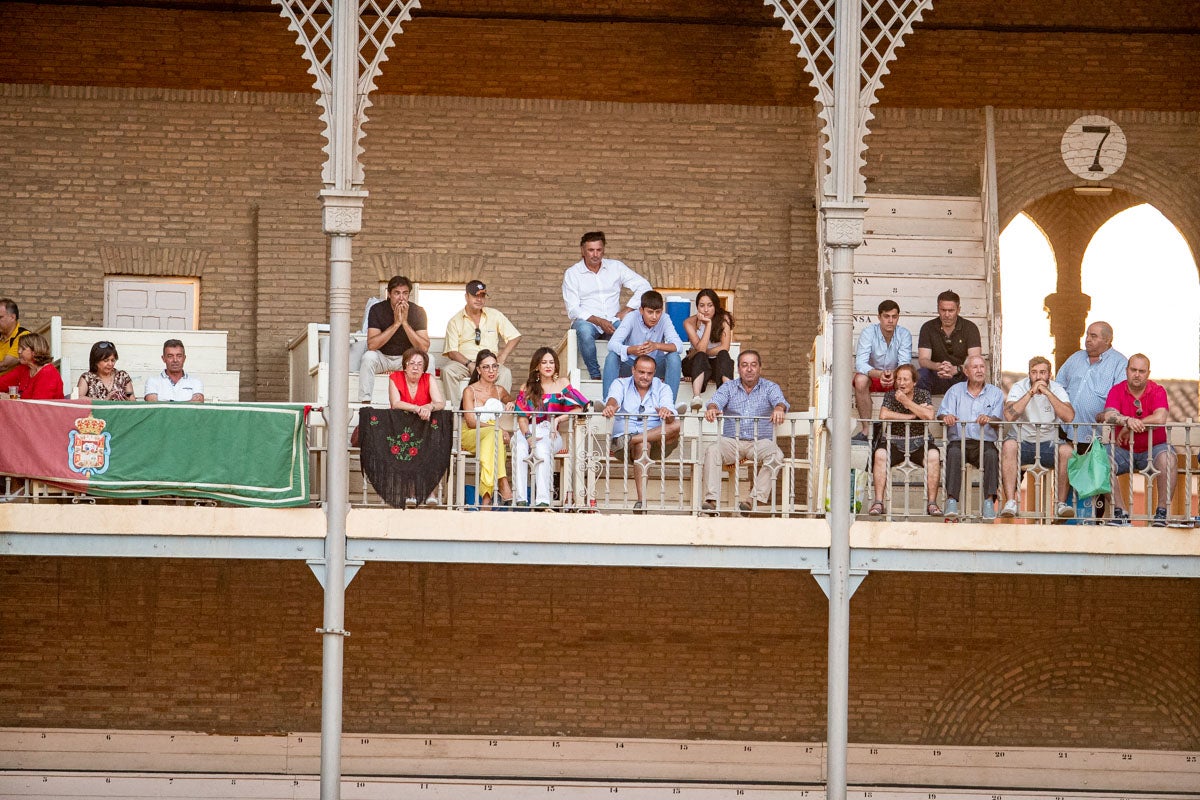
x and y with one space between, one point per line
393 326
944 345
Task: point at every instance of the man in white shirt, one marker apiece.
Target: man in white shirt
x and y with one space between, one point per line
644 418
1039 405
592 294
173 385
475 328
649 332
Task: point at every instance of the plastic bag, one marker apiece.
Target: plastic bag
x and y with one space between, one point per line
1090 473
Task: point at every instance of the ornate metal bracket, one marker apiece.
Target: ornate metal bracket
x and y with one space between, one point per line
378 24
884 24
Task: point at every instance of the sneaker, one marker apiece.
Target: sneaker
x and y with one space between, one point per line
1009 510
1160 518
989 509
709 508
743 509
951 508
697 403
1119 518
1064 511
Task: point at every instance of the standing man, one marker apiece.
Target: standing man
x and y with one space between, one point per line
1134 405
173 385
1040 405
10 334
970 411
749 396
1088 376
944 345
645 419
881 348
392 328
592 293
473 329
646 333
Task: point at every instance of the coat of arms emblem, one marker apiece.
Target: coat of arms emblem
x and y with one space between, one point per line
89 446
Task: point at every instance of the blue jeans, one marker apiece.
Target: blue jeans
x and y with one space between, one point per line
669 369
586 335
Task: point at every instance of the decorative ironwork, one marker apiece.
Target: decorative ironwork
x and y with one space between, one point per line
882 29
378 24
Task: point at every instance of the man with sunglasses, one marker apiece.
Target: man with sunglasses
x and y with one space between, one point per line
475 328
1138 407
944 345
641 408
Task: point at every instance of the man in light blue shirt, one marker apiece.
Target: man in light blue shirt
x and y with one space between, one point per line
970 411
647 333
881 348
1088 375
641 408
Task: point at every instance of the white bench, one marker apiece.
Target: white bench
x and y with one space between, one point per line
308 367
139 352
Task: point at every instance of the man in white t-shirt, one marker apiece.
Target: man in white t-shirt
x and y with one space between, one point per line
1040 405
173 385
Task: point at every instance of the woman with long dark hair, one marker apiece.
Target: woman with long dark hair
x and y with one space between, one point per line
546 401
709 332
483 403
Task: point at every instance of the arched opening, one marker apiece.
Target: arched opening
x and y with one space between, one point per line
1142 279
1027 275
1070 259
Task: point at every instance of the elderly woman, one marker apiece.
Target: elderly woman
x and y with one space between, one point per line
411 388
35 378
103 381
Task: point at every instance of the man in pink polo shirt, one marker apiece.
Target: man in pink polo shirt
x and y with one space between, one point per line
1134 405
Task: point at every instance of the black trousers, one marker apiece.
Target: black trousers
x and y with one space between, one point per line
718 368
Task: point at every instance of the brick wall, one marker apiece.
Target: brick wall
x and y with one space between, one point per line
1078 54
229 647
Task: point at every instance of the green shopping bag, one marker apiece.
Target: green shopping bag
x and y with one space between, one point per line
1090 474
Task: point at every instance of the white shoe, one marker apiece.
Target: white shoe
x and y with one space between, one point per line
1010 509
1064 511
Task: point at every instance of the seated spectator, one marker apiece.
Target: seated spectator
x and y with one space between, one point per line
412 388
709 332
906 441
392 328
1134 405
547 400
103 381
483 402
11 334
943 346
173 385
591 290
752 406
647 333
1040 405
358 346
470 331
970 411
882 348
644 420
35 378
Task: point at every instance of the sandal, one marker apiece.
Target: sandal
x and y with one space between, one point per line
876 509
933 510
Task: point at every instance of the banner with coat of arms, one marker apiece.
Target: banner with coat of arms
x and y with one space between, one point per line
254 455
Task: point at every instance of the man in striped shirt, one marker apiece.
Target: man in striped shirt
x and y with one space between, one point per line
751 406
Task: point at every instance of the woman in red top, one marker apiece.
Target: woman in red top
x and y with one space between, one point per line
35 377
411 388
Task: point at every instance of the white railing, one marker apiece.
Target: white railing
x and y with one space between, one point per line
1170 484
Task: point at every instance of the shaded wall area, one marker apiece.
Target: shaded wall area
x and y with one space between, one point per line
708 654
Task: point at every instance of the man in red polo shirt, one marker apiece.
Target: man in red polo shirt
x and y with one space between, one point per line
1134 405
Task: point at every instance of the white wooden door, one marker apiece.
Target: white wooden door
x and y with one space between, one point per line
151 303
